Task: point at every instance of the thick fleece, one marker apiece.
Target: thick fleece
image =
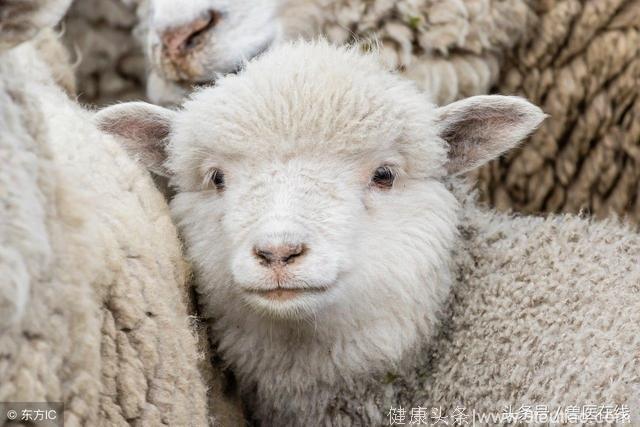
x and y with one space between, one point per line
452 48
93 295
545 310
93 311
581 64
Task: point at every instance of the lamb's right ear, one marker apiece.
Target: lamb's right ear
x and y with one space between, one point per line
481 128
142 129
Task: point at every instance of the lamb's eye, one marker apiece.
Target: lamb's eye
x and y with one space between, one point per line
217 179
383 177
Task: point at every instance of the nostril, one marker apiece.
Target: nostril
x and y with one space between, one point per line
179 40
280 254
292 252
265 257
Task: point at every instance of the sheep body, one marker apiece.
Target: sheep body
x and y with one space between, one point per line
100 323
538 316
93 296
293 139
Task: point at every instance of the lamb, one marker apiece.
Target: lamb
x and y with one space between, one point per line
93 295
344 265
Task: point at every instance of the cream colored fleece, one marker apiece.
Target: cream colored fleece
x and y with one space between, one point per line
545 311
452 48
92 288
581 64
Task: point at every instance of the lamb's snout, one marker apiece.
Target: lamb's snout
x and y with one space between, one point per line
271 255
179 42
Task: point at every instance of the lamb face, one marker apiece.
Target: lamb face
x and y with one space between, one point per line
311 186
299 180
192 42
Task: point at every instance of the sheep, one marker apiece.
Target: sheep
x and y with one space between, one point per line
94 286
451 47
343 264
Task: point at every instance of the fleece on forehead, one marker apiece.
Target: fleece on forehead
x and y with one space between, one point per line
309 98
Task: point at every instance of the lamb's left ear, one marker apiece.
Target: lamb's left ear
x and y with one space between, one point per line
481 128
142 129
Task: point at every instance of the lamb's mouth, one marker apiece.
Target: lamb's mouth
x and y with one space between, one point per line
286 294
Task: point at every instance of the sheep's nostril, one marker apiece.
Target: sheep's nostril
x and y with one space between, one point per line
178 41
279 254
265 257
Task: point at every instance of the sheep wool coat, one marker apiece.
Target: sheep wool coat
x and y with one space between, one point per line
452 48
544 311
93 286
580 62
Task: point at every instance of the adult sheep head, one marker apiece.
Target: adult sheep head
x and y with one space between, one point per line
193 42
312 185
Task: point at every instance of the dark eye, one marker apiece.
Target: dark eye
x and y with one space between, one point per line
383 177
217 179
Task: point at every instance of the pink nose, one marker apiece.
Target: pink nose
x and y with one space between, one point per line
273 255
178 41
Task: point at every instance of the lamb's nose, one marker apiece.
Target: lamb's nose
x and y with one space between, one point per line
179 41
270 255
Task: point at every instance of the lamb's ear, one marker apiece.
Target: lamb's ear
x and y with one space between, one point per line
481 128
142 129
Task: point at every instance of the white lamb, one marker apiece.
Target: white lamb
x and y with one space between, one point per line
451 47
317 198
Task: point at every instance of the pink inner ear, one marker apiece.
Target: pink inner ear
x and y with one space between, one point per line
144 136
135 127
481 128
477 138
